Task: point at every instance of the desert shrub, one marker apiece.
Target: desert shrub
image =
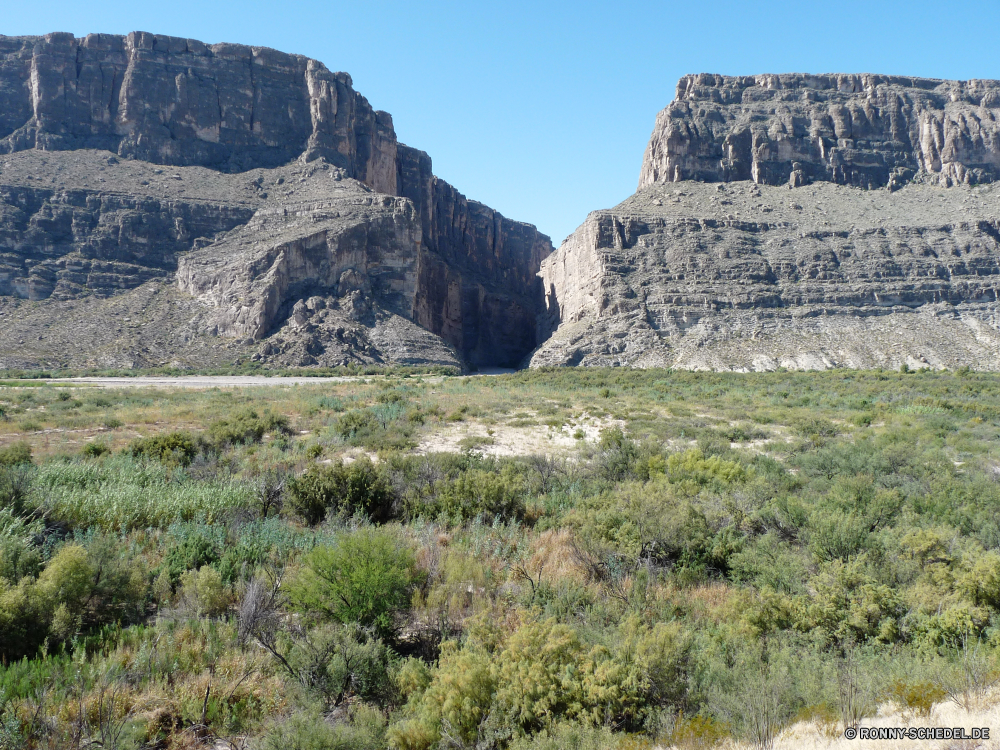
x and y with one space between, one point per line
95 450
347 489
380 427
980 579
474 492
618 455
15 454
546 670
311 731
334 662
756 698
570 736
692 467
457 698
847 521
917 698
365 577
172 448
768 562
80 588
196 550
648 522
205 592
246 426
239 560
743 433
850 605
814 427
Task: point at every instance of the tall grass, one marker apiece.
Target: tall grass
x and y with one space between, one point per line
121 493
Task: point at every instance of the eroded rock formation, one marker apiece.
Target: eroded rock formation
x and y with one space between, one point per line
279 198
887 250
861 130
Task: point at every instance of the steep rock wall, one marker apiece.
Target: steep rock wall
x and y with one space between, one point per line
862 130
178 101
742 276
478 286
154 99
66 243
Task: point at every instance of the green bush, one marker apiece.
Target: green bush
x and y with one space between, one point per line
247 426
205 591
366 577
197 550
83 586
15 454
172 448
310 731
618 455
346 489
569 736
850 605
473 493
95 450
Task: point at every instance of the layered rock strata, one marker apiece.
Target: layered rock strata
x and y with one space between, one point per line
743 274
861 130
283 261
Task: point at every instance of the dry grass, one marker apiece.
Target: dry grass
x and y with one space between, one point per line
554 558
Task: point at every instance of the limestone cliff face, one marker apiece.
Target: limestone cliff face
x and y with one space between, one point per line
862 130
180 102
742 276
749 274
247 236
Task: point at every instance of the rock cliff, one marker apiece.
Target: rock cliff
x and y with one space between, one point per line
298 229
862 130
887 250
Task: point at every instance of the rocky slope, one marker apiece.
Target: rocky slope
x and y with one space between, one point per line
298 230
884 251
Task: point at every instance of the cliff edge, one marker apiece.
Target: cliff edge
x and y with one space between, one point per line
298 229
794 221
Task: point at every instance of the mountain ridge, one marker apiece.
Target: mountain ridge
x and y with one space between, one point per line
277 134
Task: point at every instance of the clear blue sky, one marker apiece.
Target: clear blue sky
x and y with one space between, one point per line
542 109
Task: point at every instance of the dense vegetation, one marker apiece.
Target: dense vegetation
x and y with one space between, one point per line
688 557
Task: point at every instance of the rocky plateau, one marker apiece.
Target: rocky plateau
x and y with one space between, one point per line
794 221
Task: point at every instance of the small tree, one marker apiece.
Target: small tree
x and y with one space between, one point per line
366 578
855 690
354 488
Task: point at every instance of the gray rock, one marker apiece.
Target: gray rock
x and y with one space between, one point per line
747 275
283 183
862 130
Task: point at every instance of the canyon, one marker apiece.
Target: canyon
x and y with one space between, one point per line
169 202
229 203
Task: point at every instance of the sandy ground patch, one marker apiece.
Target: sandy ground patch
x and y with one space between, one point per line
516 440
